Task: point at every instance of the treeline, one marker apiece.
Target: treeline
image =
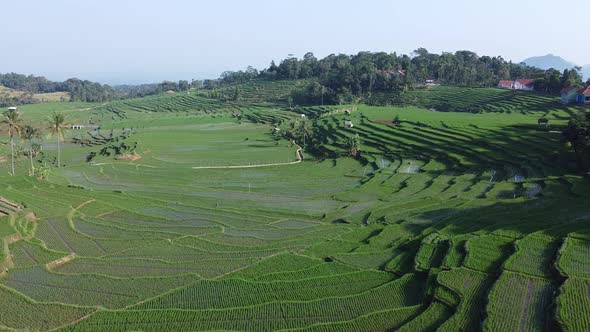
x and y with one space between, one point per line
79 90
84 90
138 91
348 78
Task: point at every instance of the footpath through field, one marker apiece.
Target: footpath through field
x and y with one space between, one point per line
299 159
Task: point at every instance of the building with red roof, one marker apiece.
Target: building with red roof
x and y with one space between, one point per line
583 96
569 95
521 84
524 84
505 84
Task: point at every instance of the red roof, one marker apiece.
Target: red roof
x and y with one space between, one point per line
525 81
568 90
585 91
507 84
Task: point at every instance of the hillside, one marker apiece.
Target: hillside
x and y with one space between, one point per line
549 61
11 97
552 61
193 212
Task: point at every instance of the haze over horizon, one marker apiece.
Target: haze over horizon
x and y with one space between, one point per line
147 41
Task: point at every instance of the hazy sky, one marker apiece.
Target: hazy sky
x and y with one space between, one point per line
143 40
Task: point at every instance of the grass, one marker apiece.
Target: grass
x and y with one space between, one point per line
443 223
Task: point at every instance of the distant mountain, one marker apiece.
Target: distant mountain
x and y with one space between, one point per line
586 72
549 61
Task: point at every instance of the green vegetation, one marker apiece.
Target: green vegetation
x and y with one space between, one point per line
194 211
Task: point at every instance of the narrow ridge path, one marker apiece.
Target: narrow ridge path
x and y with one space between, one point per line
299 159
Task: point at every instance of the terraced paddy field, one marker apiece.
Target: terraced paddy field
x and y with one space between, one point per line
449 221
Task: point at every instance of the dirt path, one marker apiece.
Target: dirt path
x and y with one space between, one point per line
299 159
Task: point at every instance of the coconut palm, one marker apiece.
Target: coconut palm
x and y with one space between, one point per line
353 144
28 134
56 122
13 121
305 129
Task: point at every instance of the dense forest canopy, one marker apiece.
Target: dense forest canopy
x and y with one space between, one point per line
347 78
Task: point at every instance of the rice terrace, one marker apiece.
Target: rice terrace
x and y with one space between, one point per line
367 192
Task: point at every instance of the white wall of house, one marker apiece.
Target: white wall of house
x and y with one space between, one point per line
519 86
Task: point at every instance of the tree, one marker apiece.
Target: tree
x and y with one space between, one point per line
28 134
353 144
196 84
577 133
183 85
297 129
304 129
56 121
13 121
237 93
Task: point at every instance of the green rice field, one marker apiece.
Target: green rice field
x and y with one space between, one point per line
185 213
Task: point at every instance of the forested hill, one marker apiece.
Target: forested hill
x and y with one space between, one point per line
79 90
348 78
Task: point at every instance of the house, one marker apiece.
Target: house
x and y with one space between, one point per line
583 96
430 81
83 127
569 95
170 92
505 84
348 124
521 84
12 109
524 84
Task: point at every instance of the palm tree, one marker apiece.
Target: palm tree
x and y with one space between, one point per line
29 134
304 129
56 121
353 143
12 120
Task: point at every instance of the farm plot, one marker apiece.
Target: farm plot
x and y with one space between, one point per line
518 303
533 256
398 294
573 305
573 260
471 286
20 313
89 290
487 253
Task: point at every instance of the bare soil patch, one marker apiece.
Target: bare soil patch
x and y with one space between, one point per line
9 203
31 217
129 157
59 262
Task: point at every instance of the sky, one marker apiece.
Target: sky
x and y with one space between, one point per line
141 41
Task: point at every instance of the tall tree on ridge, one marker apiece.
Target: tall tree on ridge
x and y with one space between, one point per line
29 133
56 121
13 121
